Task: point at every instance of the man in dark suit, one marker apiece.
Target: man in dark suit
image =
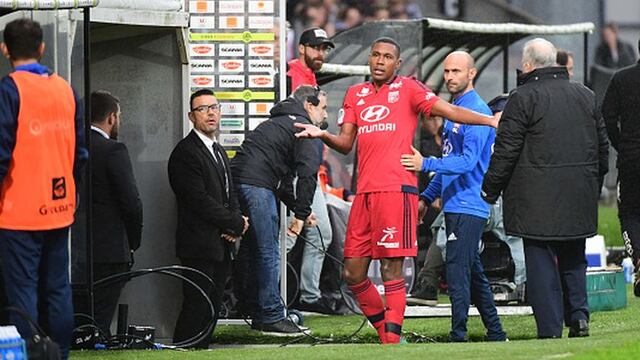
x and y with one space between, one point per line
116 205
209 219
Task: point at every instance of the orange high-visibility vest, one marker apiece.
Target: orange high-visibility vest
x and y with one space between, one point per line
39 191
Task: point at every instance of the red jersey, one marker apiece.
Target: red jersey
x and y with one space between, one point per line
386 122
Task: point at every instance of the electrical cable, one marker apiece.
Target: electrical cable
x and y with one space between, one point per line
170 271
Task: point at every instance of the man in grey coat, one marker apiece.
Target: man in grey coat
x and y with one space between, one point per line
549 159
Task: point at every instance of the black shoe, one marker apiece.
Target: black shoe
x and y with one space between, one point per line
320 306
579 328
423 295
283 327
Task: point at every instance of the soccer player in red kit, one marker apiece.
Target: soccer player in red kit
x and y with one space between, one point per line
383 114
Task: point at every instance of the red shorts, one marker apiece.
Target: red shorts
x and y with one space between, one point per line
382 225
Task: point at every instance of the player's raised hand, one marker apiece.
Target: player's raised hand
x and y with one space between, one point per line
309 131
412 162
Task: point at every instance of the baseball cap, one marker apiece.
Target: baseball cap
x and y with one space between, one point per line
314 37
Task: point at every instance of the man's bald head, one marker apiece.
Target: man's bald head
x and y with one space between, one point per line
538 53
462 58
459 72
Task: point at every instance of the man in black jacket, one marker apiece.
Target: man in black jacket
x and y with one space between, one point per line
268 159
621 111
209 218
549 159
116 206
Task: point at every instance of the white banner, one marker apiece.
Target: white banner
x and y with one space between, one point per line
232 65
196 50
257 108
231 22
261 81
261 7
202 22
235 108
202 7
231 81
261 49
202 81
233 50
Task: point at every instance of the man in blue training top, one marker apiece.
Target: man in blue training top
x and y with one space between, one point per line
466 152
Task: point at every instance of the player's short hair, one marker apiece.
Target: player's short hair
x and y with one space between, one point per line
387 40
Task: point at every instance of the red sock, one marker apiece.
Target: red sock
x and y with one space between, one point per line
371 305
396 296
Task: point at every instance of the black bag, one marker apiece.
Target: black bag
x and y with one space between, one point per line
39 346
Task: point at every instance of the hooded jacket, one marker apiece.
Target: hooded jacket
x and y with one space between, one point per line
549 157
271 156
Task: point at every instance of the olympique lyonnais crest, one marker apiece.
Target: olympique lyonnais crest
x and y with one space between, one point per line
393 97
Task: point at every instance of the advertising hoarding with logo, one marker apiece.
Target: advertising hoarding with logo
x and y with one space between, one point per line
234 50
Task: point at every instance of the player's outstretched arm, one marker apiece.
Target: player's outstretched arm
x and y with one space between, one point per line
462 115
342 142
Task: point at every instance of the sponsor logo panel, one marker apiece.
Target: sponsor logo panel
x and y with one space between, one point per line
261 49
202 81
201 50
254 122
226 66
260 22
231 22
260 108
232 108
228 140
231 81
232 124
202 22
261 7
202 66
261 66
261 81
202 7
234 50
230 7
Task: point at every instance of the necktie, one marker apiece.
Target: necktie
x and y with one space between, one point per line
217 154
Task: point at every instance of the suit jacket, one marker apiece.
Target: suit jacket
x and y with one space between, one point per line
116 205
205 211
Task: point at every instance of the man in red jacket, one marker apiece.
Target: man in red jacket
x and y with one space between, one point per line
313 46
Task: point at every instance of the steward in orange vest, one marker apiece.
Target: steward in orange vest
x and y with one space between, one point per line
42 150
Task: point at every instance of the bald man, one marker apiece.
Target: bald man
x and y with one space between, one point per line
466 150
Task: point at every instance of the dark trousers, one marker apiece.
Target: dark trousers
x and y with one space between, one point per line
105 297
556 284
466 279
195 313
35 266
629 212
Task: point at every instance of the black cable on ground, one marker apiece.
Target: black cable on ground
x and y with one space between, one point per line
171 271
